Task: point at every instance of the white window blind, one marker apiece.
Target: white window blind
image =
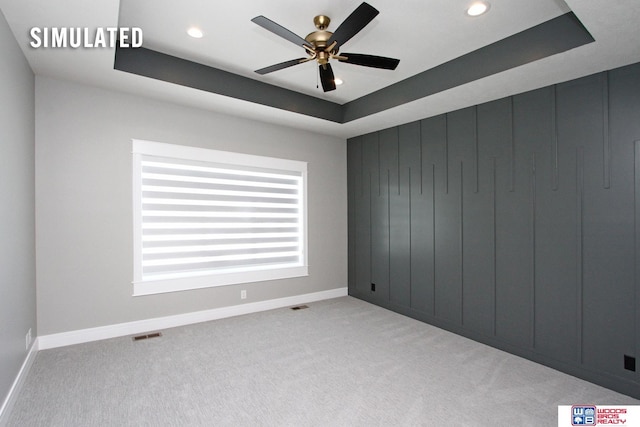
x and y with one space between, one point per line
208 218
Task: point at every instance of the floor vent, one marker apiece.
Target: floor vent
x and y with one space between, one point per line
144 337
299 307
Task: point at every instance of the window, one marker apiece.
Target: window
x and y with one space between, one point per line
207 218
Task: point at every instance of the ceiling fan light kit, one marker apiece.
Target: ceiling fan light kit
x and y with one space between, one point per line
322 45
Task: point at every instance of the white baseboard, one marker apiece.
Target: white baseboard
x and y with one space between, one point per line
9 401
148 325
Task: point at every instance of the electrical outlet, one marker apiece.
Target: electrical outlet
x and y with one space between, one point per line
629 363
27 339
243 294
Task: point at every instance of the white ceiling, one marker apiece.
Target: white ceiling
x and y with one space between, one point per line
422 37
422 34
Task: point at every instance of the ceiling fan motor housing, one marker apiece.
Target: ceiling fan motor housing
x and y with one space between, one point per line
322 45
319 39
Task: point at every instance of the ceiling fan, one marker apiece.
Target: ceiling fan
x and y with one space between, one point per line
322 45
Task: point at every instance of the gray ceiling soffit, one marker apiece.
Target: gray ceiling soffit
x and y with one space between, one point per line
160 66
549 38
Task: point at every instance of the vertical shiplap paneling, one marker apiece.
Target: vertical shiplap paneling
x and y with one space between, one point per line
412 162
492 137
598 245
606 132
533 233
476 154
354 190
624 90
518 219
512 145
556 238
364 225
554 138
529 127
386 173
494 244
579 254
602 328
463 177
609 228
630 349
399 219
448 230
433 134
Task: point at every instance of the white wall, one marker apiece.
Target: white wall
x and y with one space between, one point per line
84 213
17 223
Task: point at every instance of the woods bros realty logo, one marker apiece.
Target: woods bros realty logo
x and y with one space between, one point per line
65 37
592 415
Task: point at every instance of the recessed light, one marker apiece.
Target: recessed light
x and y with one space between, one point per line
478 8
338 81
195 32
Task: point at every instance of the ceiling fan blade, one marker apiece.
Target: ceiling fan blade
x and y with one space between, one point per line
281 31
327 78
355 22
282 65
369 60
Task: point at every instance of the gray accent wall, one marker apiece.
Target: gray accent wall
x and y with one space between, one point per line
515 223
84 214
17 223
